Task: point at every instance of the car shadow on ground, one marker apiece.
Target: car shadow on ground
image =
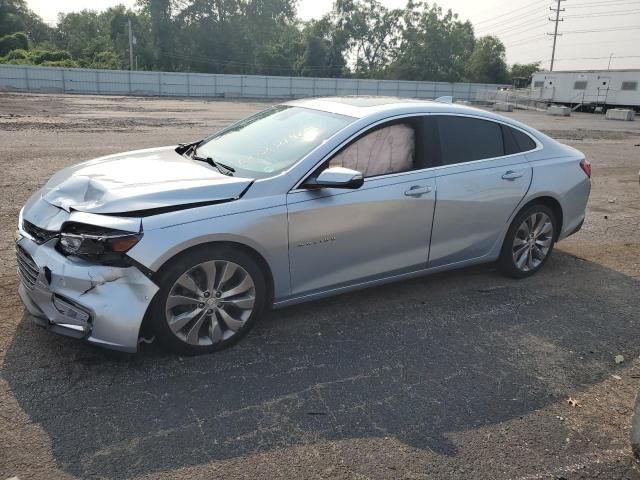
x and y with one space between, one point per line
414 360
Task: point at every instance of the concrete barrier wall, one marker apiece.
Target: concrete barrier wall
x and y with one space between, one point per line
117 82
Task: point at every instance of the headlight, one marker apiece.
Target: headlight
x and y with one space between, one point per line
96 242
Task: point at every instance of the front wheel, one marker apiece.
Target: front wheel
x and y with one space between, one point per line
208 299
529 242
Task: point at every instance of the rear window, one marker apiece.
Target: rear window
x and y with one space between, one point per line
464 139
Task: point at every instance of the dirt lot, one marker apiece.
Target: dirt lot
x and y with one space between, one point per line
460 375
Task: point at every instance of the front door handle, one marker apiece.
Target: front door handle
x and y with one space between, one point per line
417 190
511 175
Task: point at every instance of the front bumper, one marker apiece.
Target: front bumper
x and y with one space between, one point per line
104 305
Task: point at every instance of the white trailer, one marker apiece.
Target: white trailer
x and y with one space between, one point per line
588 89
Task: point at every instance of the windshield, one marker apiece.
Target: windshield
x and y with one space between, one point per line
273 140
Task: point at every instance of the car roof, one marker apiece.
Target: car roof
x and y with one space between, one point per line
365 106
381 107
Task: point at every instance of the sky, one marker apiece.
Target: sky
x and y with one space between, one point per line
592 30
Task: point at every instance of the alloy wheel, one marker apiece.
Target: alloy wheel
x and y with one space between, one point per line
532 242
210 302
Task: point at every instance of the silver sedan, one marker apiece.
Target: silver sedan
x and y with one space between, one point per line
307 199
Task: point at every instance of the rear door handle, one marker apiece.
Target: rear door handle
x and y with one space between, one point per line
511 175
417 190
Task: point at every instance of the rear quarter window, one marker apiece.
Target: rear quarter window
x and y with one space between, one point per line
516 141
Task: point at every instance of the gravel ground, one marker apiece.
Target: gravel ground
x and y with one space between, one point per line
459 375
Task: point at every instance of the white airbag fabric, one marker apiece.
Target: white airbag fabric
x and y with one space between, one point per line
387 150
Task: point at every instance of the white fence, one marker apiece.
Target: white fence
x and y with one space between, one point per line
117 82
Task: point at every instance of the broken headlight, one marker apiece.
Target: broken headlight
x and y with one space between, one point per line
96 243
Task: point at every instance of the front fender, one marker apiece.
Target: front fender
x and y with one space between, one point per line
264 231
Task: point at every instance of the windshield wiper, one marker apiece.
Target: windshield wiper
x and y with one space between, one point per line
184 148
222 168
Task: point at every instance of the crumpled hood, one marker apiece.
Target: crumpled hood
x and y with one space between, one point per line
139 180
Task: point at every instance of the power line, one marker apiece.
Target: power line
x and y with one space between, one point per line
508 21
518 27
614 29
523 41
506 14
509 25
597 58
601 4
518 31
599 14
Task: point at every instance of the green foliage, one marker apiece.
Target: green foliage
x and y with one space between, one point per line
17 55
39 57
524 70
106 60
321 54
67 63
360 38
487 62
435 46
18 40
15 16
374 32
42 56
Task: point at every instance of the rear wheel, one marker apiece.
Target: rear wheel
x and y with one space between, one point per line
529 241
208 299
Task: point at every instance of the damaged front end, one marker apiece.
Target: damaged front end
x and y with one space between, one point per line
76 278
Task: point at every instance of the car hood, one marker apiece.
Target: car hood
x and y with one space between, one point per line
142 180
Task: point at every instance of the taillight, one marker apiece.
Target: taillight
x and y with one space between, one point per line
585 165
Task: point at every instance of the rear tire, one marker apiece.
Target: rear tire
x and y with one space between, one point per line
529 241
209 298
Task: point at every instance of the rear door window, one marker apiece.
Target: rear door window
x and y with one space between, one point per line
465 139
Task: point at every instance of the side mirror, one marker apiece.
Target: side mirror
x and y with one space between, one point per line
336 177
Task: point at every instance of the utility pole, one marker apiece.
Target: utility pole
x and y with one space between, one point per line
555 32
130 46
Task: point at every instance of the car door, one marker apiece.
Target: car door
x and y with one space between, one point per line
483 177
342 237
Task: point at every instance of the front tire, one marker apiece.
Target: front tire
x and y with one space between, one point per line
529 241
209 299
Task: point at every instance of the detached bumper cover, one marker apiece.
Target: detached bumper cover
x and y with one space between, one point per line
104 305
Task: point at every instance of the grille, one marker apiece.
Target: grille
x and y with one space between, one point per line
40 235
27 268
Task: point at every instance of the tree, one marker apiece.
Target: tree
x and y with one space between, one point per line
14 41
160 14
435 46
15 16
487 62
323 47
524 70
361 37
372 32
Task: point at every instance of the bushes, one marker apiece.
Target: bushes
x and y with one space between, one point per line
41 56
69 63
51 58
106 60
15 41
14 50
17 55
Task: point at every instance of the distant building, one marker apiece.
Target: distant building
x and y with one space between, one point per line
589 89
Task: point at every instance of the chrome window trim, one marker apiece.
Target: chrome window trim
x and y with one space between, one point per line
539 146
